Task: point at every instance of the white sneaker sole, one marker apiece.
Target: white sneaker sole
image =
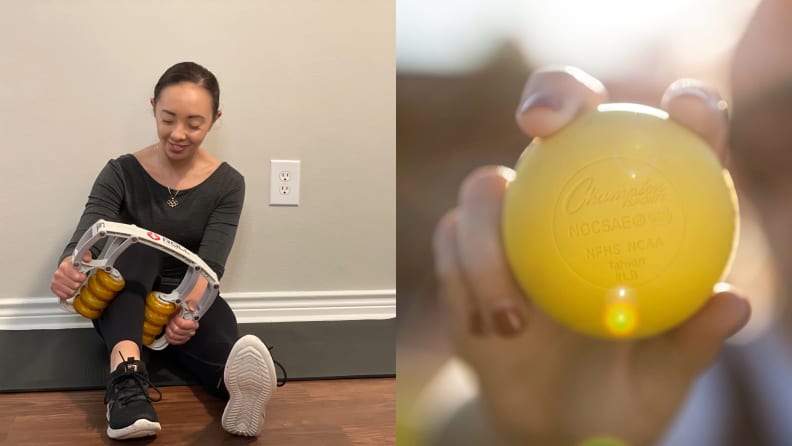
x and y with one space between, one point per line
250 378
140 428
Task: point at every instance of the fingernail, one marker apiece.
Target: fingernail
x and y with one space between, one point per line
476 323
508 321
540 100
692 88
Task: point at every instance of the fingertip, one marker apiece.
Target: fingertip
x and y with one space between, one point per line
699 339
485 184
701 109
735 308
723 315
553 96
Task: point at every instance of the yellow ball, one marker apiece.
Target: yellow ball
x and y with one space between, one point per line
620 225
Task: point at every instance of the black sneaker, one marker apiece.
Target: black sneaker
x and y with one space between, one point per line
129 410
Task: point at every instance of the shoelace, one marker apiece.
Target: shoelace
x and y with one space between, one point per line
131 386
282 382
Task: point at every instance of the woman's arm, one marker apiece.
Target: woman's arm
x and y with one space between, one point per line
104 202
216 244
220 232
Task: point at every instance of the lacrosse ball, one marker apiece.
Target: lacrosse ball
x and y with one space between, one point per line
621 224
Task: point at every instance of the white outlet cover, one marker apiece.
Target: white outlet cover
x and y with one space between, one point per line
284 176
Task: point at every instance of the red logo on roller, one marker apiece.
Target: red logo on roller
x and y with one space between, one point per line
153 235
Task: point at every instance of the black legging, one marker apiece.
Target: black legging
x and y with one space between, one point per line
204 354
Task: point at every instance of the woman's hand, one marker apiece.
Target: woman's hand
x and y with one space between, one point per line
180 330
540 382
67 279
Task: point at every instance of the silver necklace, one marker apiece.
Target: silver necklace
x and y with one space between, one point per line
172 201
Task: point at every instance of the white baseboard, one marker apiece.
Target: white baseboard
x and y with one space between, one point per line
37 313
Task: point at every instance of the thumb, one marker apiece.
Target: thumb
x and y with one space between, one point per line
699 339
87 257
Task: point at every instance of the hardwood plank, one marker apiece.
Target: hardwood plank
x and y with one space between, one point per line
329 412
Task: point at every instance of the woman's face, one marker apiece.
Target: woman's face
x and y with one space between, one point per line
184 116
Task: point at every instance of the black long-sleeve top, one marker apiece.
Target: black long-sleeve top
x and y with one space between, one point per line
205 220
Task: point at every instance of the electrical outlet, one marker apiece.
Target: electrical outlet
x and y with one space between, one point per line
284 183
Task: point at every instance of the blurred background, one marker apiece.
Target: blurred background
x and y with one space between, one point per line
461 67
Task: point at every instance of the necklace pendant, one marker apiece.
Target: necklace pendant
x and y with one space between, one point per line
172 202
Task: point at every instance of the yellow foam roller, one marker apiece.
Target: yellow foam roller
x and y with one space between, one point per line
147 339
151 329
85 310
90 300
156 305
154 317
109 281
99 290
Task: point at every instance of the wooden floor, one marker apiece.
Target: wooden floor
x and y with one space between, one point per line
331 412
